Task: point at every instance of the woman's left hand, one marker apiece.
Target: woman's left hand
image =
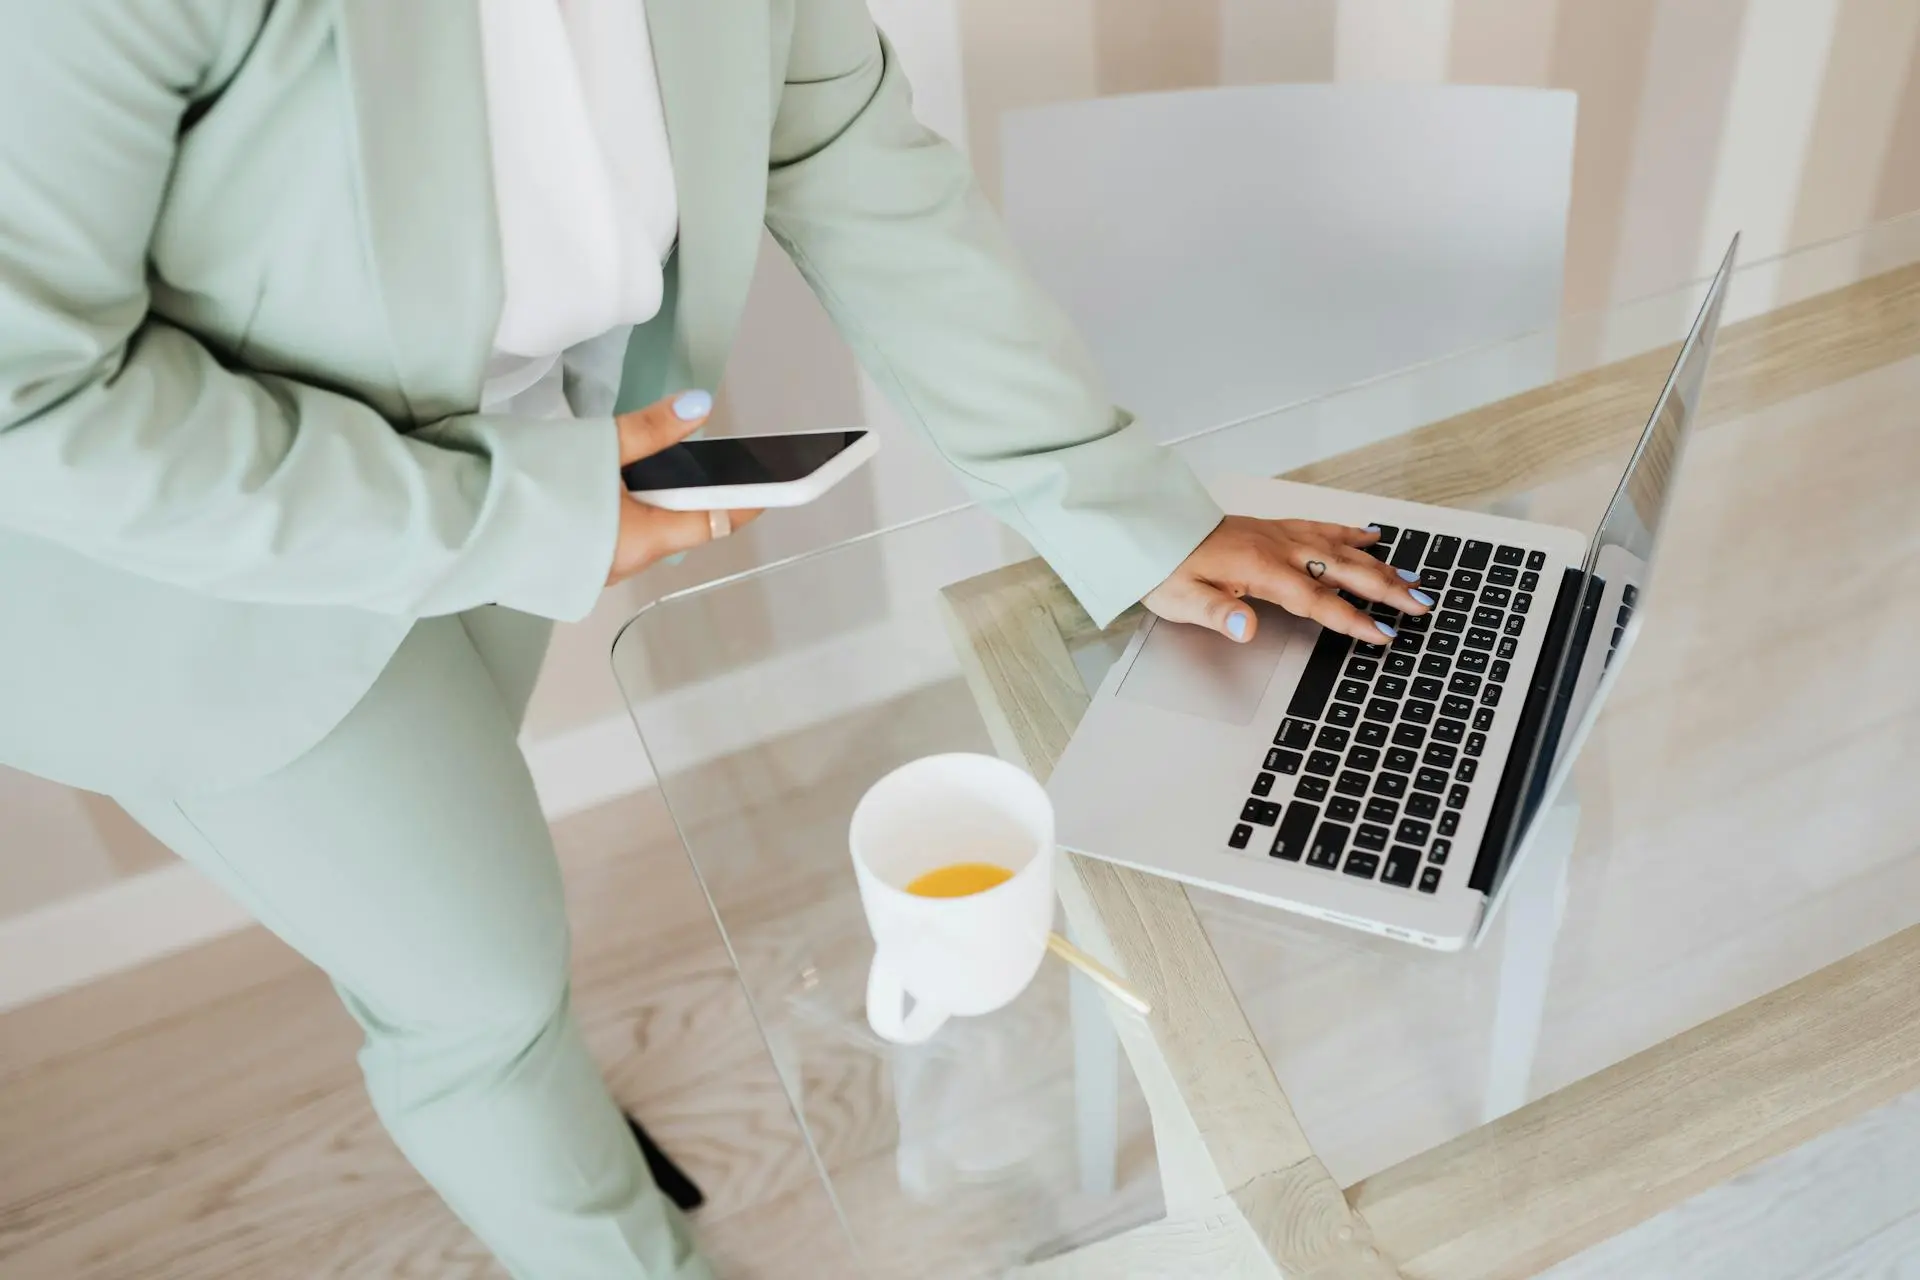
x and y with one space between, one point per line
1300 565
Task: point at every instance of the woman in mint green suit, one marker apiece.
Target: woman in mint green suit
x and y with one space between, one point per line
269 577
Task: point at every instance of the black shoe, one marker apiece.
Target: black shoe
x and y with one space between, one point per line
671 1178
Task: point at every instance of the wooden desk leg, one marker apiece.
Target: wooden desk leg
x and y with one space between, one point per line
1536 905
1096 1082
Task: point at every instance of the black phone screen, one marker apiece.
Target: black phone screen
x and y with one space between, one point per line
705 464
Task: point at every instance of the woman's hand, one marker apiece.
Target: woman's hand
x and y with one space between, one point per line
1300 565
648 534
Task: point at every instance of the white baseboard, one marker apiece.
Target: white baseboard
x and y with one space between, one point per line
144 917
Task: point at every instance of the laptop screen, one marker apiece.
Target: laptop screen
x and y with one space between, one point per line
1610 582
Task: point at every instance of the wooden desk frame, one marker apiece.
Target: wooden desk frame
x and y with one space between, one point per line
1245 1193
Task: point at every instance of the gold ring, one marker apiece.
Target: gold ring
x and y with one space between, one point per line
719 524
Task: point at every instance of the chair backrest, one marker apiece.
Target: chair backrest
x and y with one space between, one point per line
1226 251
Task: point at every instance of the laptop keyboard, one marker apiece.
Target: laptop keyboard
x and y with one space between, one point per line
1629 596
1384 741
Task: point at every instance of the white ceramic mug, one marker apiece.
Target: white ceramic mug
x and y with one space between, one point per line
952 956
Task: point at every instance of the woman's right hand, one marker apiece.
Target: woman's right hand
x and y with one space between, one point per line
649 534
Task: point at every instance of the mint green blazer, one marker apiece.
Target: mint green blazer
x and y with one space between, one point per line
249 280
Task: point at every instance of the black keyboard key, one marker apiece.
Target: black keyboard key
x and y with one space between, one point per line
1496 596
1400 866
1353 599
1351 691
1461 600
1441 851
1371 735
1501 576
1474 554
1324 763
1332 738
1379 552
1310 788
1294 733
1439 755
1510 555
1451 621
1264 812
1342 809
1316 682
1329 842
1480 638
1407 642
1448 730
1449 823
1388 532
1380 710
1416 712
1291 840
1476 743
1501 670
1343 714
1369 650
1440 642
1432 580
1464 682
1490 696
1351 784
1391 785
1400 664
1412 545
1384 612
1374 838
1280 760
1412 832
1434 780
1486 616
1362 865
1441 551
1362 668
1427 687
1409 735
1626 612
1457 707
1391 687
1422 805
1467 769
1242 833
1365 759
1457 798
1263 785
1508 647
1483 719
1402 760
1415 622
1522 602
1529 582
1380 809
1630 594
1467 580
1429 879
1474 660
1536 559
1618 634
1434 665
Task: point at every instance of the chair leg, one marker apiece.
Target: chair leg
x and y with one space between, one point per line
671 1178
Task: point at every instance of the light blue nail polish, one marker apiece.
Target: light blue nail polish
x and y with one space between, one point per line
689 405
1373 528
675 558
1386 630
1408 575
1422 597
1237 626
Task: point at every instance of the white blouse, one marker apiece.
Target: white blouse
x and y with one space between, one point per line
583 185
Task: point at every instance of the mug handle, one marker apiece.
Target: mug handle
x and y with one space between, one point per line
886 1001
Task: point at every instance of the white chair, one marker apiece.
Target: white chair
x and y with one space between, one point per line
1227 251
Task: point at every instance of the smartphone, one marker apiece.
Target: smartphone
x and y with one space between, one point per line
748 471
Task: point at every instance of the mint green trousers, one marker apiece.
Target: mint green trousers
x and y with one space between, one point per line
406 855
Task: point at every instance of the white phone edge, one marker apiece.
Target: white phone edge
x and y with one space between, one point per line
789 493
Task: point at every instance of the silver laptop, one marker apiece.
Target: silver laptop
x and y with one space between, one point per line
1388 787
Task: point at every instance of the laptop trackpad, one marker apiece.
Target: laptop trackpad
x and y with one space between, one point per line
1202 673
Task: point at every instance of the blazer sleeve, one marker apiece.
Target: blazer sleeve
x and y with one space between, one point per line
123 438
885 221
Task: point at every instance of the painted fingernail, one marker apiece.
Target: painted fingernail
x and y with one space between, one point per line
675 558
1237 626
1422 597
689 405
1386 630
1373 528
1408 575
